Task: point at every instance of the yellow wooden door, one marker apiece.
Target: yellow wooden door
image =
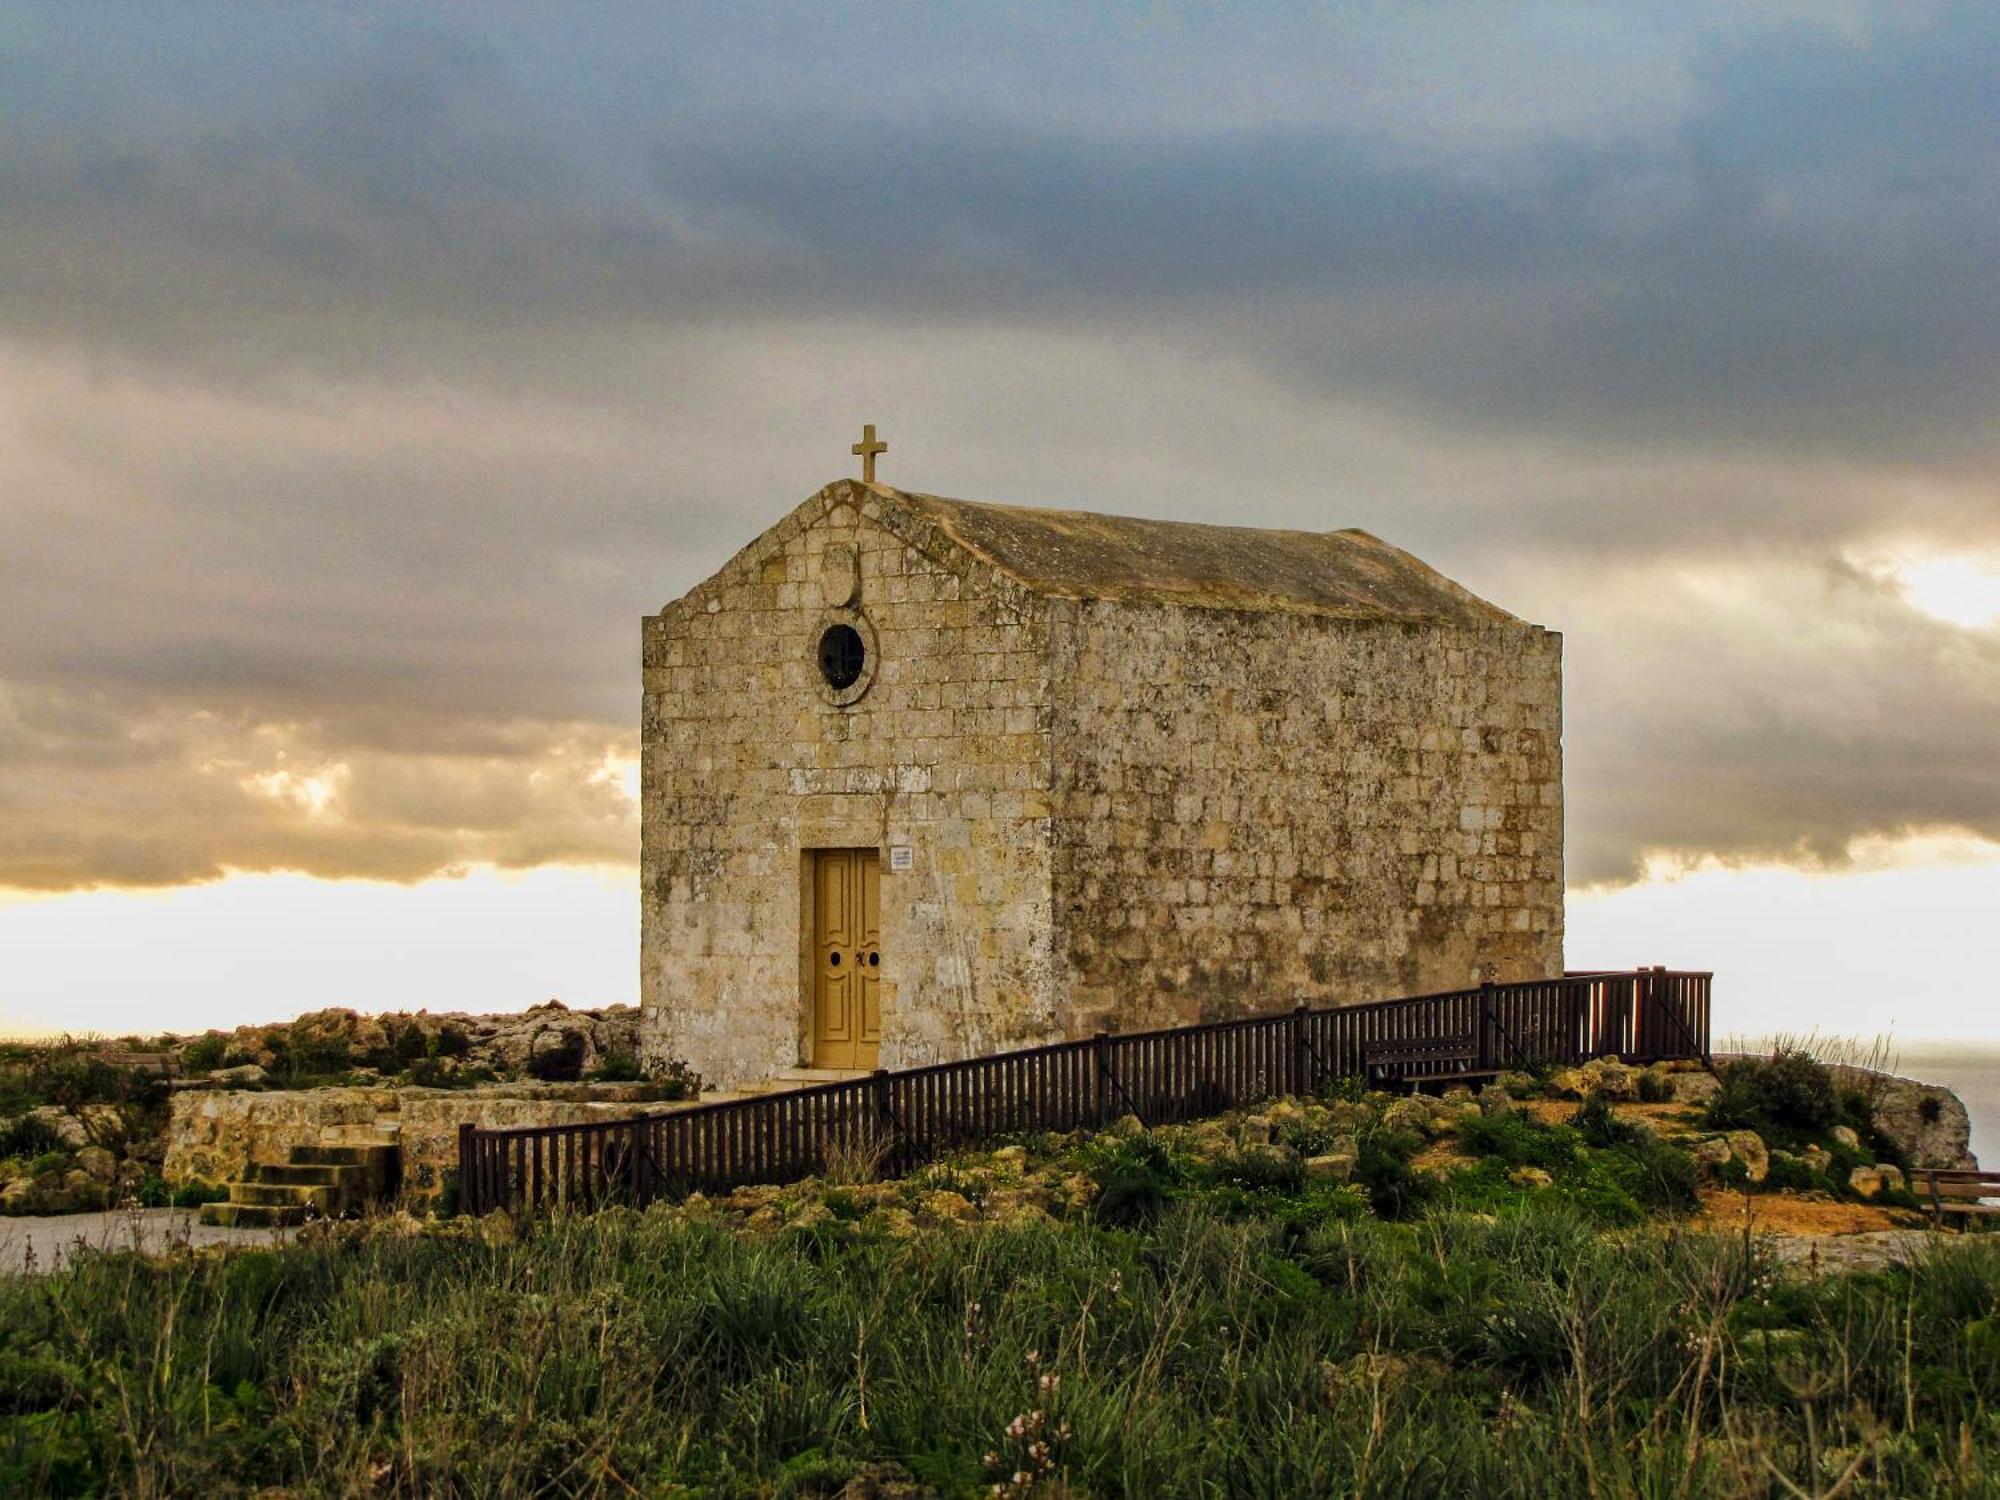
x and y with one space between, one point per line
847 958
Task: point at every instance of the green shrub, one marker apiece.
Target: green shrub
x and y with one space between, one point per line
1788 1096
28 1136
1654 1087
1518 1140
617 1067
204 1053
436 1073
452 1040
1135 1179
1597 1124
194 1194
1790 1174
1382 1170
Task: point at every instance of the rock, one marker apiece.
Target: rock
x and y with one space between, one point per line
897 1223
1408 1114
1519 1085
15 1195
104 1122
1926 1121
1209 1142
1816 1157
1844 1135
1460 1095
1125 1127
81 1192
809 1215
1330 1166
945 1204
1530 1177
98 1162
1568 1083
1495 1101
1866 1181
1713 1152
1348 1114
1891 1176
1016 1206
248 1075
1078 1191
63 1125
1256 1129
1692 1088
1611 1078
337 1037
1012 1158
1748 1147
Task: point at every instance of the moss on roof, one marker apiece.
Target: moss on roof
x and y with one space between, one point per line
1082 555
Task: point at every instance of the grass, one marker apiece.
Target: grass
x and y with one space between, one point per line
1204 1354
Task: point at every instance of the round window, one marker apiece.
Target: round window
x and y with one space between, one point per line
842 655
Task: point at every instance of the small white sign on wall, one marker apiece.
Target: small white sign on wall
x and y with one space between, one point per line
901 858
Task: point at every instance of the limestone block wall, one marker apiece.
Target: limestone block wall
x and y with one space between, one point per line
1256 809
749 761
214 1134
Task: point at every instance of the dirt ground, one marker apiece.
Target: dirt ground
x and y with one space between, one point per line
1668 1117
1790 1213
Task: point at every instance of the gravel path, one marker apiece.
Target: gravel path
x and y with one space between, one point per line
1857 1252
39 1245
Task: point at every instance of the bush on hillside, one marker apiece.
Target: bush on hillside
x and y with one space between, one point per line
1789 1095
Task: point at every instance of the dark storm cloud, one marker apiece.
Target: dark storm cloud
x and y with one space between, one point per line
1801 259
365 373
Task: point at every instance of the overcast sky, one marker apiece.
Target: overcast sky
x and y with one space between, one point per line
365 375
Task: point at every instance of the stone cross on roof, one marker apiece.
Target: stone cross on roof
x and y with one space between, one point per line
867 448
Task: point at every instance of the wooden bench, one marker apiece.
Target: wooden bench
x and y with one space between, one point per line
1418 1060
1958 1191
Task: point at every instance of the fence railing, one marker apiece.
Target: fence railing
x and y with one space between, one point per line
900 1120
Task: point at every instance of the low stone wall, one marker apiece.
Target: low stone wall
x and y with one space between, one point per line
214 1134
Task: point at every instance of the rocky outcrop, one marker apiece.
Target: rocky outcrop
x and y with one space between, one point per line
1926 1121
548 1042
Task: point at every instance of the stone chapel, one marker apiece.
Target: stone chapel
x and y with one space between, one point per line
924 779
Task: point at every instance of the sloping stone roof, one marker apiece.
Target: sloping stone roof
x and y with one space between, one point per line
1082 555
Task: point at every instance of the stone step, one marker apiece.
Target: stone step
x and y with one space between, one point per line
809 1076
767 1086
327 1202
355 1179
379 1156
253 1215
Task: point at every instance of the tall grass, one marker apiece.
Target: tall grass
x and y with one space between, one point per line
661 1354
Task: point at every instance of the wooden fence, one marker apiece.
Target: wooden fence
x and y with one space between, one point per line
902 1119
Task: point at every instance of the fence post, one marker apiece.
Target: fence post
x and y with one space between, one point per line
1486 1047
468 1179
1303 1083
878 1103
632 1164
1100 1051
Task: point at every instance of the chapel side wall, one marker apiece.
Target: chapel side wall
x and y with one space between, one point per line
746 765
1256 809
